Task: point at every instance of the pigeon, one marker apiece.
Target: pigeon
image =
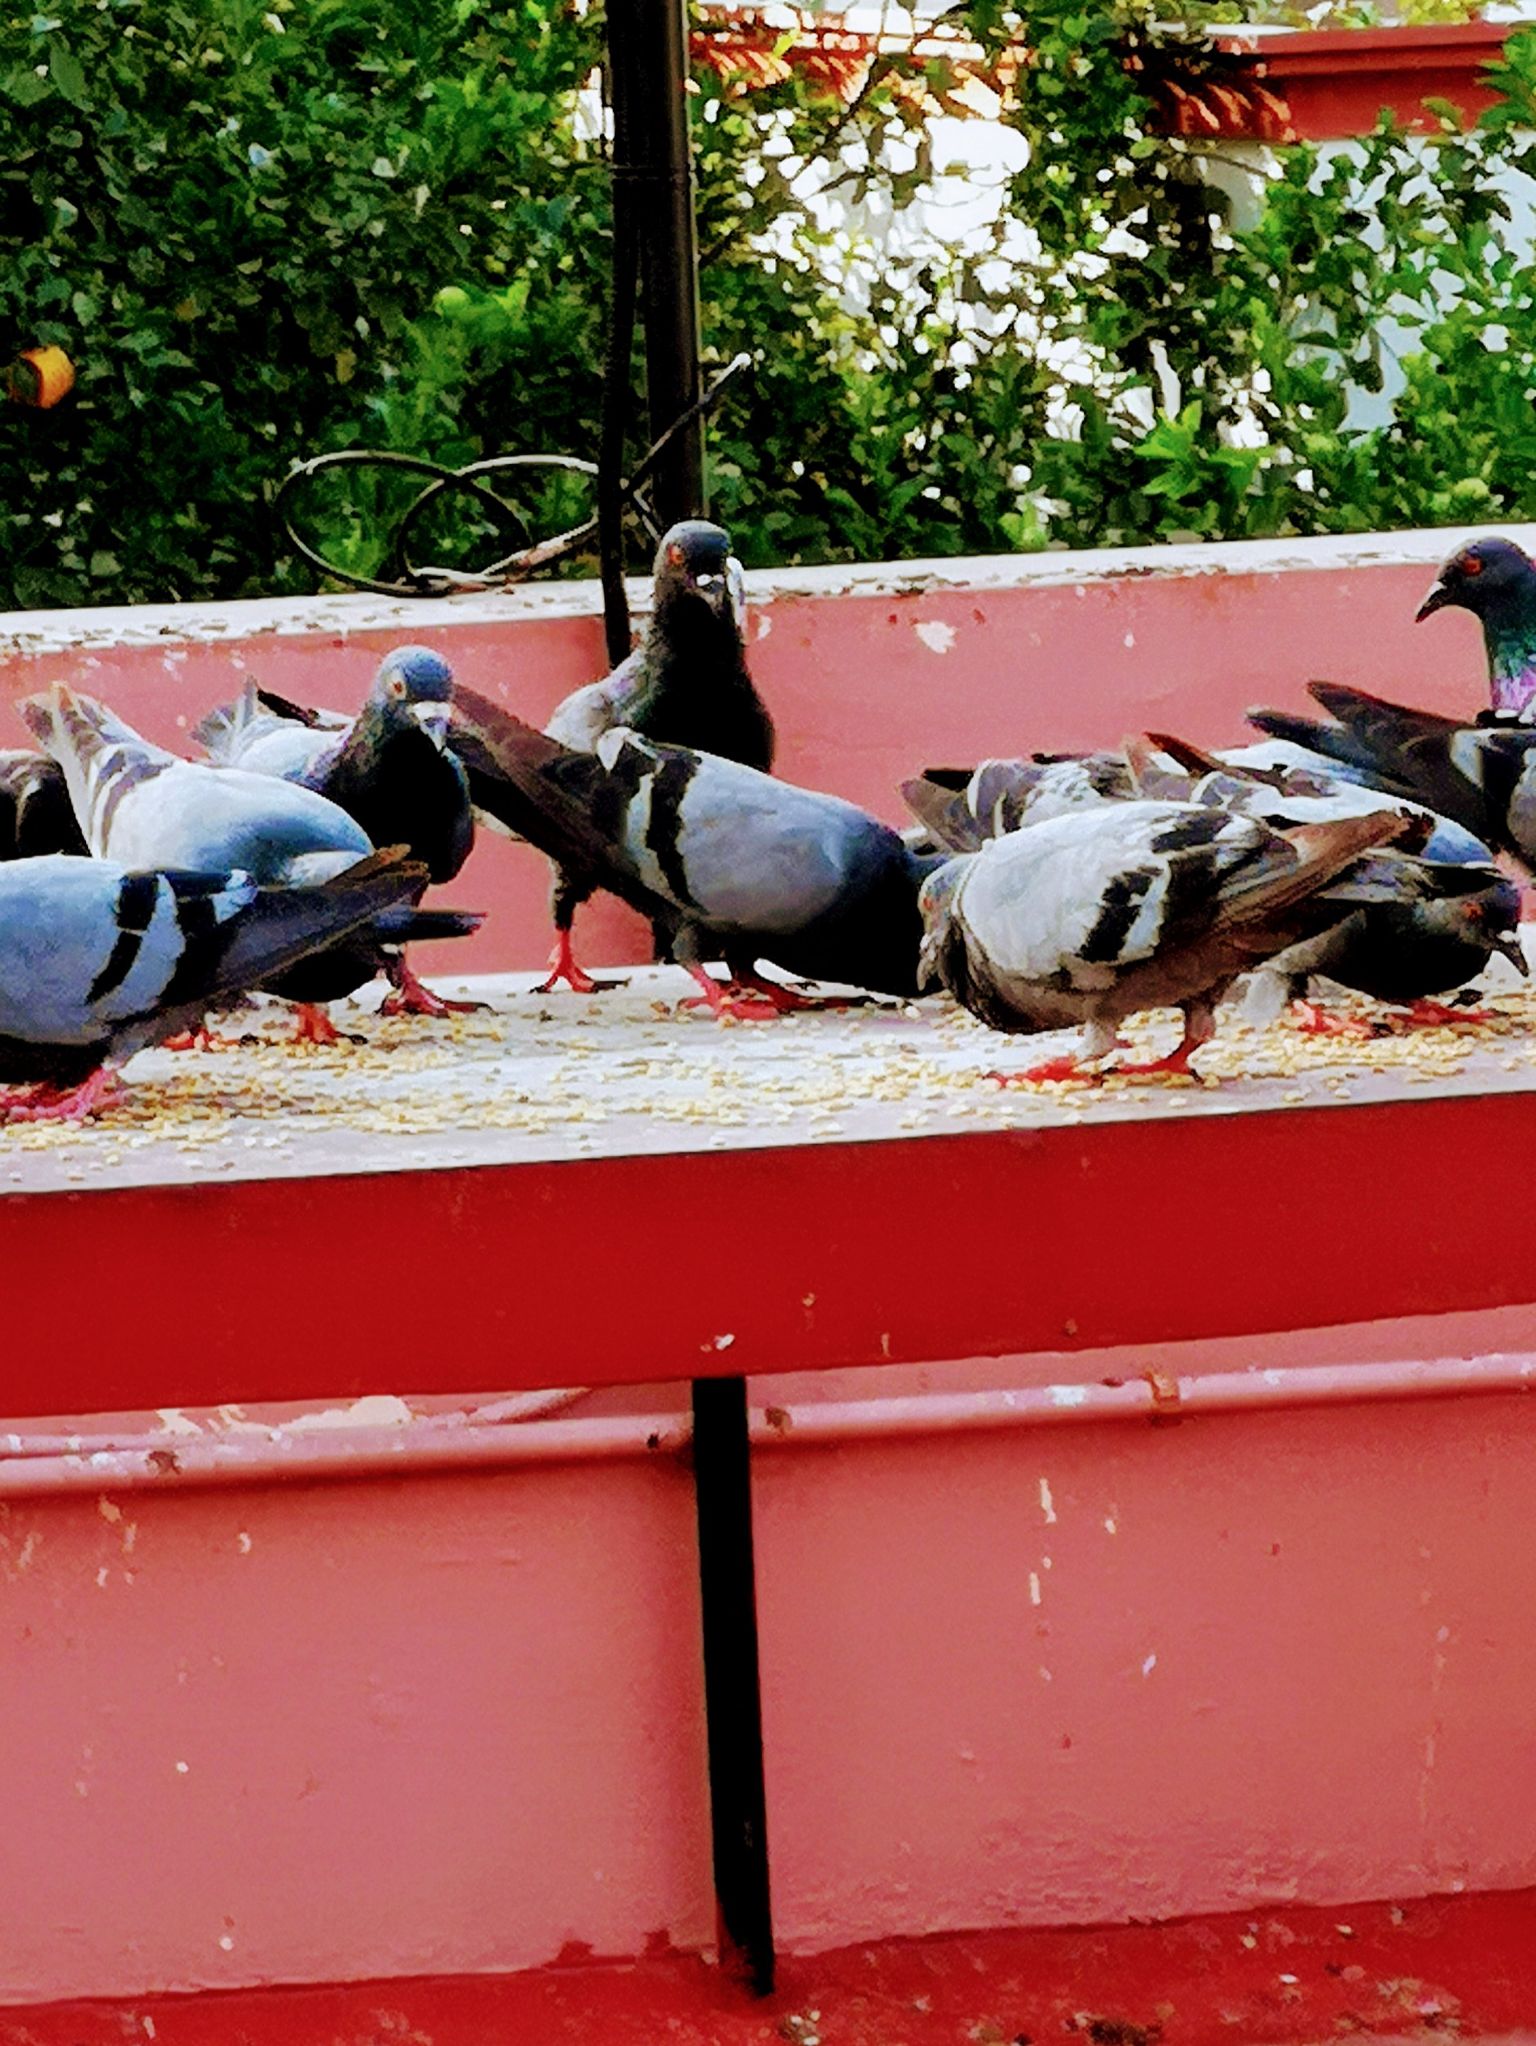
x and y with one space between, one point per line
745 867
1408 929
960 808
35 812
686 684
1496 581
143 807
1092 916
1480 776
388 768
99 960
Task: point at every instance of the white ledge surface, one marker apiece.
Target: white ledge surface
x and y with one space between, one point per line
40 633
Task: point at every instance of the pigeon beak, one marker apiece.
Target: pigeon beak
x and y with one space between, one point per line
433 719
1437 600
1508 942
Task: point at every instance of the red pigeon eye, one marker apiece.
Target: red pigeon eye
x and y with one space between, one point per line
676 555
397 686
1471 564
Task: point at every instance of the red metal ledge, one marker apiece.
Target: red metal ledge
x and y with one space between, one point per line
1444 1967
788 1257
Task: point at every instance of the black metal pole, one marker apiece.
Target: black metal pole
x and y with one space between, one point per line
649 53
732 1695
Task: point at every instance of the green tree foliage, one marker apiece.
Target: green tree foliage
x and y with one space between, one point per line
262 233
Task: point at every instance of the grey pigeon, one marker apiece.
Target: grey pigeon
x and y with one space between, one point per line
686 684
389 768
746 867
98 960
1093 916
142 806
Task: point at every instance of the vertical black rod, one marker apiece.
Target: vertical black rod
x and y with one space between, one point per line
657 120
621 346
722 1478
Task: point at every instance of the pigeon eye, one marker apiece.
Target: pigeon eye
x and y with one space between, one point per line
397 686
676 555
1471 564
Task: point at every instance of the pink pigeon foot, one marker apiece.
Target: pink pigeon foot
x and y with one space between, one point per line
47 1103
1318 1021
731 1001
1068 1068
412 998
1425 1015
311 1025
563 967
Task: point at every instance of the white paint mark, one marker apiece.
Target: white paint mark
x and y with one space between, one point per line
1047 1505
1270 1377
764 625
243 1543
1067 1395
181 1768
130 1536
1149 1665
1130 639
175 1422
149 2028
1045 1675
1111 1525
1034 1589
226 1942
1289 1978
935 635
28 1550
1045 1562
373 1410
1444 1634
107 1510
101 1577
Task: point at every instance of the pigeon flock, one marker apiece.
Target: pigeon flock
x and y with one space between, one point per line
141 892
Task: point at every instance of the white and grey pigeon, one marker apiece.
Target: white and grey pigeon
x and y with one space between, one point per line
389 768
1093 916
142 806
746 867
98 961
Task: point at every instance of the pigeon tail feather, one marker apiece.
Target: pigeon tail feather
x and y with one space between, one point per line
1319 852
284 925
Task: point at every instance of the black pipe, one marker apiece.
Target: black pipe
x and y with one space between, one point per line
722 1478
649 52
621 346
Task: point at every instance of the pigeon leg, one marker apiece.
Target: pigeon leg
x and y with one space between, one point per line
728 1001
313 1026
1319 1021
1427 1015
201 1040
101 1090
412 998
789 1000
1199 1028
563 967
